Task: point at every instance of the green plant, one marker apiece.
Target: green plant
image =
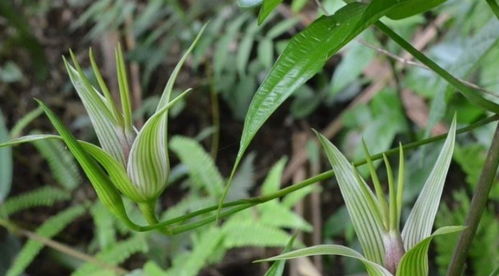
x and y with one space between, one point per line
134 164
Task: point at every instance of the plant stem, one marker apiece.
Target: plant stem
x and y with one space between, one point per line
61 247
148 210
249 202
478 204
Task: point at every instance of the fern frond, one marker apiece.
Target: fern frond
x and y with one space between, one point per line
44 196
49 228
250 233
115 254
105 233
189 264
202 170
61 162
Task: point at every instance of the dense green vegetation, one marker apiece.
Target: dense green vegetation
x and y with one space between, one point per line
249 137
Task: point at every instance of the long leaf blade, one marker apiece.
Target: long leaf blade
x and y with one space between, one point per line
5 162
373 268
420 220
360 203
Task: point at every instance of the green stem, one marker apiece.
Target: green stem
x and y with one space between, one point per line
148 210
478 204
249 202
473 96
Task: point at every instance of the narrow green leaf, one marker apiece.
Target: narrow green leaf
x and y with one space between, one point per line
400 184
126 105
202 170
105 90
167 91
100 182
360 203
420 220
413 7
5 161
105 125
277 268
249 3
267 7
472 95
373 268
415 261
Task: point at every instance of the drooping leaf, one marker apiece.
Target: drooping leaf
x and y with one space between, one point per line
5 161
373 268
48 229
277 268
413 7
420 220
267 7
202 169
415 261
360 203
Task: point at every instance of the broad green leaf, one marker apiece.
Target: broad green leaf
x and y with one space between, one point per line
5 162
266 52
420 220
202 169
267 7
48 229
413 7
245 47
277 268
360 202
415 260
373 268
304 56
